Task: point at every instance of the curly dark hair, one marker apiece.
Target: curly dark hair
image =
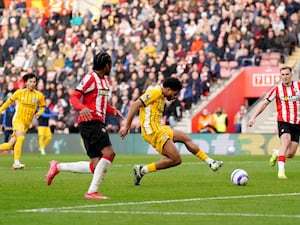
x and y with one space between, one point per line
172 83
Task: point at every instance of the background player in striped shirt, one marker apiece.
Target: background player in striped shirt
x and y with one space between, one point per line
91 99
162 138
27 101
287 96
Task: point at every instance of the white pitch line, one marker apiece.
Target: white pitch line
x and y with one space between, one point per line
72 208
179 213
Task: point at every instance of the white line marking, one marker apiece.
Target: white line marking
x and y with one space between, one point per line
178 213
72 208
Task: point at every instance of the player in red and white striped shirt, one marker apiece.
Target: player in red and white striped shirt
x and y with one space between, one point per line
287 96
91 99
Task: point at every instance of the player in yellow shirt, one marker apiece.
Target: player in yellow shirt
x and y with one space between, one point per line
28 100
162 138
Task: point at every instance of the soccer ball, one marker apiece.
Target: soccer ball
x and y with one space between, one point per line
239 177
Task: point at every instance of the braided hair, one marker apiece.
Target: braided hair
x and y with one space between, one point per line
101 60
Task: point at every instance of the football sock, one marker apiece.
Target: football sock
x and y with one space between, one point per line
5 147
75 167
99 173
201 155
149 168
41 142
18 147
281 162
47 140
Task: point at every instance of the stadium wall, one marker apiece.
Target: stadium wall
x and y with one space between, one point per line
214 144
252 82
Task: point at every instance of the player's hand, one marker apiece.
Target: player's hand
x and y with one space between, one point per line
123 132
85 114
119 114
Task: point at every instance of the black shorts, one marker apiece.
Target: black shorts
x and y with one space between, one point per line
95 137
292 129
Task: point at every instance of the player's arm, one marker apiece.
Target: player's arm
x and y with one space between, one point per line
131 114
41 111
42 105
5 104
259 110
113 111
84 112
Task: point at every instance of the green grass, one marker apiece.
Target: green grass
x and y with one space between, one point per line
187 194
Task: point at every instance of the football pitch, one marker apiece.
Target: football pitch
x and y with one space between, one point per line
187 194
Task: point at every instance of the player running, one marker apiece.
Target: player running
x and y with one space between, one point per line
287 96
28 100
162 138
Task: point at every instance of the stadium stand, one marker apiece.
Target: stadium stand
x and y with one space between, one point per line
143 37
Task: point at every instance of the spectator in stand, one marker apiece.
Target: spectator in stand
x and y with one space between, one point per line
245 59
185 96
172 113
61 127
196 85
277 25
77 19
206 123
35 29
214 67
228 27
65 18
70 80
197 43
294 28
238 118
71 119
219 50
230 50
113 123
284 40
221 120
269 44
205 77
3 86
256 57
14 43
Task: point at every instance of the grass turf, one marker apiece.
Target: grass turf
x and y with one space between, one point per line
187 194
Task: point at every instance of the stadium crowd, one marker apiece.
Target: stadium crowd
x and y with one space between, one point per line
148 42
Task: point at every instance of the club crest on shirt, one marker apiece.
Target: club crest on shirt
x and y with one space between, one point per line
82 83
34 100
147 96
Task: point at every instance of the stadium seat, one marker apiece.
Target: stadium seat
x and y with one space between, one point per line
275 55
233 64
265 62
265 55
224 64
225 73
274 62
